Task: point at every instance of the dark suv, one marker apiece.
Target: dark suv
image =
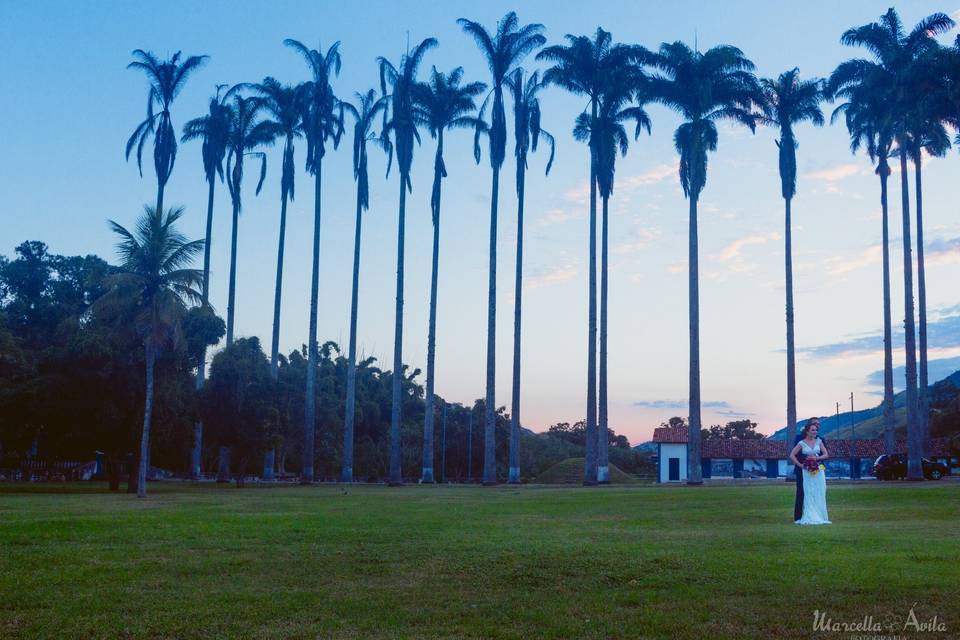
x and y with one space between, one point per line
894 467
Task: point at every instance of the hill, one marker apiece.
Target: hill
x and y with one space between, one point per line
570 471
868 423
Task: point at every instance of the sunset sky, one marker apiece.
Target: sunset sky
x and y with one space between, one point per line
69 105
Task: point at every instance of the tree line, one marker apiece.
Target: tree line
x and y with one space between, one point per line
896 103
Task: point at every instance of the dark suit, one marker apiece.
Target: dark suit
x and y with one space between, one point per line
798 501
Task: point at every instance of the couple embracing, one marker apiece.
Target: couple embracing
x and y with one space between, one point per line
810 506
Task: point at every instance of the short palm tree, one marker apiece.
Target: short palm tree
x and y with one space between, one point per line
502 51
283 106
212 129
167 79
703 88
154 270
401 117
322 122
622 86
527 133
788 102
581 67
365 113
895 53
247 133
443 104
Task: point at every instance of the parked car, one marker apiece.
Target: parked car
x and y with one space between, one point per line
894 467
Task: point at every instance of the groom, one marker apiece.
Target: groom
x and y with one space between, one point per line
798 501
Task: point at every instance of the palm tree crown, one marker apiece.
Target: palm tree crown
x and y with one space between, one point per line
526 118
212 130
321 119
247 133
283 103
365 113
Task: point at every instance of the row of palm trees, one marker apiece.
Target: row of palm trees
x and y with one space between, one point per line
897 103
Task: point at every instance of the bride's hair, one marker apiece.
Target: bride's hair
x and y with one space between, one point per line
810 423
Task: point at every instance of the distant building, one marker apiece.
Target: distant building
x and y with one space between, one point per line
768 458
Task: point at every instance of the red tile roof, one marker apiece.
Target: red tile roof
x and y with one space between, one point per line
767 449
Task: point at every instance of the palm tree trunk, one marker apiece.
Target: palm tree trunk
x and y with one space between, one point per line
428 428
590 446
888 415
490 422
603 438
914 436
396 414
151 359
197 451
310 401
924 400
232 290
693 440
270 456
791 363
160 189
346 474
514 473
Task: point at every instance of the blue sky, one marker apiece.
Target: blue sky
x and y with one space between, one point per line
70 105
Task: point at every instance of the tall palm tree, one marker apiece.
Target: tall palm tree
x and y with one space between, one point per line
401 117
526 133
894 54
502 51
703 88
622 85
788 102
869 120
247 133
212 129
167 79
443 104
322 121
283 104
581 67
365 113
154 270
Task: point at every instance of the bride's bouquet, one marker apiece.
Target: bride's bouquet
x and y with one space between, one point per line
813 466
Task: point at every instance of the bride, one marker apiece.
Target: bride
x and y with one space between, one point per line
812 452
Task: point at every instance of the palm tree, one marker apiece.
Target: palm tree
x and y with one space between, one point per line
321 123
868 118
503 51
401 117
212 129
167 79
895 52
790 101
283 103
703 88
246 134
622 85
581 67
365 113
443 104
526 133
154 259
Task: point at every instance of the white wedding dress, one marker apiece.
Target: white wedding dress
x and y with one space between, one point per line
814 490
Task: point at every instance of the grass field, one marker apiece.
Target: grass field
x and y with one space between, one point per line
446 562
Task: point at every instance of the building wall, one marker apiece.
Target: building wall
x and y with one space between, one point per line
671 450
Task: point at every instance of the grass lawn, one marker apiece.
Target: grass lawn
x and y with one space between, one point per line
466 562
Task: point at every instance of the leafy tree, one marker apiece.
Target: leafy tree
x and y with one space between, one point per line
166 79
527 133
702 88
322 122
502 51
401 117
365 113
443 104
154 272
733 430
790 101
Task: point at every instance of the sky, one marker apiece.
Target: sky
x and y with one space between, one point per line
70 103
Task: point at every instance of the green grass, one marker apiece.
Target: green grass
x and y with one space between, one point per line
467 562
570 471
